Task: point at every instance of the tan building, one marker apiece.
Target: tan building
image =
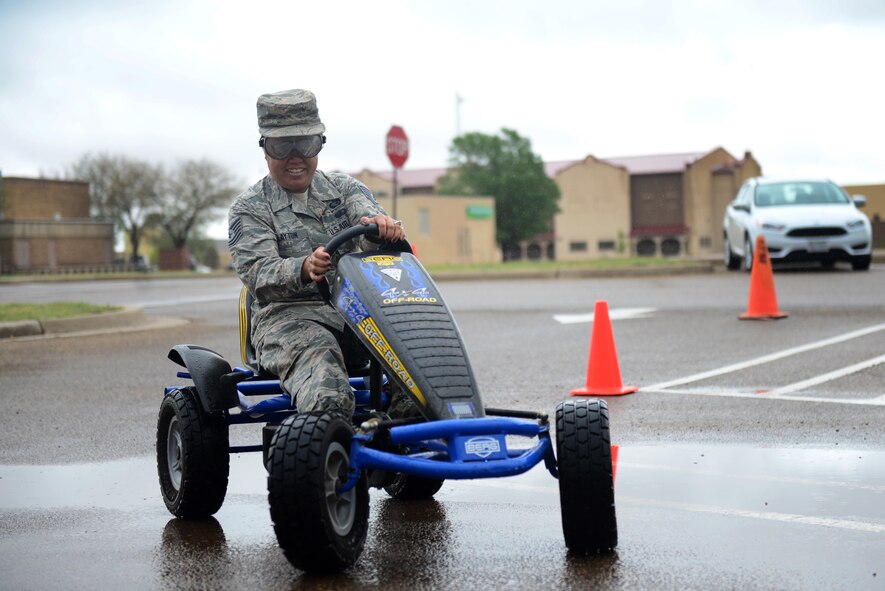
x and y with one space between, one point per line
661 204
875 209
444 229
594 217
45 226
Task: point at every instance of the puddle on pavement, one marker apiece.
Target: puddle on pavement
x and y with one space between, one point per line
806 518
833 483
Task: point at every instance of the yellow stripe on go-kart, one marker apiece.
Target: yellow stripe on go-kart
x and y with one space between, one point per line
370 329
244 324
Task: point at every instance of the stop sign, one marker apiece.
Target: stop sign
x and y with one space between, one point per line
397 146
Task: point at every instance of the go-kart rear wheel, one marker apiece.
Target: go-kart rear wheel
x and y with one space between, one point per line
586 484
193 462
411 487
318 529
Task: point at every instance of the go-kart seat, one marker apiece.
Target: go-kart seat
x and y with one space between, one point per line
355 367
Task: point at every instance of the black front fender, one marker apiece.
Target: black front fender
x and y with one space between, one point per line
206 368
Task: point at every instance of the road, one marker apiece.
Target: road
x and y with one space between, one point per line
752 456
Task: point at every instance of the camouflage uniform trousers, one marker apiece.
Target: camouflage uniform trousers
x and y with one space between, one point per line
308 359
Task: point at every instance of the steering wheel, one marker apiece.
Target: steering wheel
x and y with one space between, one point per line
349 234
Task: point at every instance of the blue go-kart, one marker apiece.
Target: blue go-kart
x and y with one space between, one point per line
321 466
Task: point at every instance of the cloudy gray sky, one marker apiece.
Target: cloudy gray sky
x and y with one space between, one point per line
799 83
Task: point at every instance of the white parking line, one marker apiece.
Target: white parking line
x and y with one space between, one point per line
613 314
766 358
829 376
879 401
847 524
876 528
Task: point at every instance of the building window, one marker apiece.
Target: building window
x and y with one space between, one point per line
646 248
464 243
424 221
706 242
533 252
577 247
606 245
669 247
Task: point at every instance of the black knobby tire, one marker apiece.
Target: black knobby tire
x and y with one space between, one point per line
411 487
318 529
193 461
586 484
732 262
861 263
748 255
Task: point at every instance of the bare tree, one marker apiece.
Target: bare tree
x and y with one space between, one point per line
123 190
195 193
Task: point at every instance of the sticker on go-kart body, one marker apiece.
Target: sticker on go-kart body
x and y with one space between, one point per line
399 280
351 304
462 410
383 260
371 331
482 447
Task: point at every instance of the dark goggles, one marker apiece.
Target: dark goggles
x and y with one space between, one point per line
281 148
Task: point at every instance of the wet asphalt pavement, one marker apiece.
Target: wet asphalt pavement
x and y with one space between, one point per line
690 517
752 457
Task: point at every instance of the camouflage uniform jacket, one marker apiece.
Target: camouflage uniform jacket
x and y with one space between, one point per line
270 234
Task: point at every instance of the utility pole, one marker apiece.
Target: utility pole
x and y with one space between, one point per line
458 100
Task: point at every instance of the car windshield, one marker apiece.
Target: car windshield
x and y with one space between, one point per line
799 193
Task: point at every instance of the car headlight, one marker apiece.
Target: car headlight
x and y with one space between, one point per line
856 224
773 226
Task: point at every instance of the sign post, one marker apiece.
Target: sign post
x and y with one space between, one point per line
398 153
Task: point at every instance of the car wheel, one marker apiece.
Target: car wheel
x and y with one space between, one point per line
193 461
586 482
748 254
412 487
318 528
732 262
861 263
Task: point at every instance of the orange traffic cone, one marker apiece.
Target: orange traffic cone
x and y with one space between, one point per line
603 374
763 301
614 463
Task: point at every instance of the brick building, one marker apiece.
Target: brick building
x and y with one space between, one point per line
45 226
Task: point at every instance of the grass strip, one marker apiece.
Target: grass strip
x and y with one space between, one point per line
15 311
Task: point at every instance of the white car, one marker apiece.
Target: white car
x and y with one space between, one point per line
802 220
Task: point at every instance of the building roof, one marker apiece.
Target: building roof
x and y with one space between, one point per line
650 164
656 163
420 177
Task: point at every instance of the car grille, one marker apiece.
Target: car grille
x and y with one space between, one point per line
813 232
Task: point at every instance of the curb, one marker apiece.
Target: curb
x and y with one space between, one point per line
129 318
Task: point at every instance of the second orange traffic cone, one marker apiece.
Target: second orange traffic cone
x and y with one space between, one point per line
763 300
603 373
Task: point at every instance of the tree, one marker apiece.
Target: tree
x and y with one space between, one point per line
194 194
504 167
122 190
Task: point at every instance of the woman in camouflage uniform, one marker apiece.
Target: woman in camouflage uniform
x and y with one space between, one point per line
276 229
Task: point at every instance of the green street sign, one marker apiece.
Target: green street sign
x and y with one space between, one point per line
479 212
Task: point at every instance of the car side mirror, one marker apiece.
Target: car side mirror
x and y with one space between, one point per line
859 200
742 207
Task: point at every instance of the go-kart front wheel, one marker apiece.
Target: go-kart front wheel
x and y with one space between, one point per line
319 529
193 461
586 484
411 487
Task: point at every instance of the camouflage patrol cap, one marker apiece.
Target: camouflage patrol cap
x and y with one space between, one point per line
289 113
